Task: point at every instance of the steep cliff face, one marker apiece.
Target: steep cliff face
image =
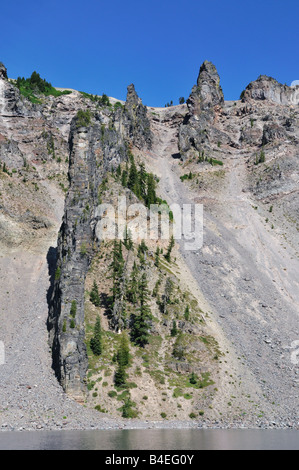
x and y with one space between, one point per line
98 144
204 105
33 155
137 122
240 159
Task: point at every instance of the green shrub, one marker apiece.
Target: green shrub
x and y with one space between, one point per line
57 274
193 378
83 118
127 409
96 344
73 310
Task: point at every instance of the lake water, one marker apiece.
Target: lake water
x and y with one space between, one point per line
152 439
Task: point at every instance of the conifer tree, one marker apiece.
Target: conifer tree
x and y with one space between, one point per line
142 176
151 197
133 180
96 340
169 249
193 378
124 178
120 375
122 358
132 288
169 286
140 331
174 330
94 295
73 310
187 313
127 239
123 353
118 171
142 248
117 267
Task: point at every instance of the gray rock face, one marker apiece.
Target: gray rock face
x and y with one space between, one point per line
204 105
91 152
267 88
3 71
272 132
94 150
207 93
136 121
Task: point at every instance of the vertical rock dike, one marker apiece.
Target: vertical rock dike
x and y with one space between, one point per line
75 243
94 150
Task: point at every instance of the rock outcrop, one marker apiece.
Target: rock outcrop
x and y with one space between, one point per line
204 105
3 71
95 148
267 88
136 121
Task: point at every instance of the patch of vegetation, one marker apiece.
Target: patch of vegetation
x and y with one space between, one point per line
96 344
73 310
204 158
128 409
100 100
35 86
186 176
142 184
83 118
261 158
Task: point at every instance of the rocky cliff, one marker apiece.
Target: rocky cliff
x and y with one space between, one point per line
267 88
204 106
98 144
233 302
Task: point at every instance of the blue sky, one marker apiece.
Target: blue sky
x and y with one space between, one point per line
102 46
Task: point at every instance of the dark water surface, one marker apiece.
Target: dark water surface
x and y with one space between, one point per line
152 439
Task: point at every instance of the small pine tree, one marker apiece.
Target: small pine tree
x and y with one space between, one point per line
142 177
169 249
174 330
94 295
193 378
127 239
96 340
73 310
151 197
122 358
140 330
142 249
133 179
117 267
168 291
132 286
124 178
187 313
127 411
123 353
118 171
120 375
